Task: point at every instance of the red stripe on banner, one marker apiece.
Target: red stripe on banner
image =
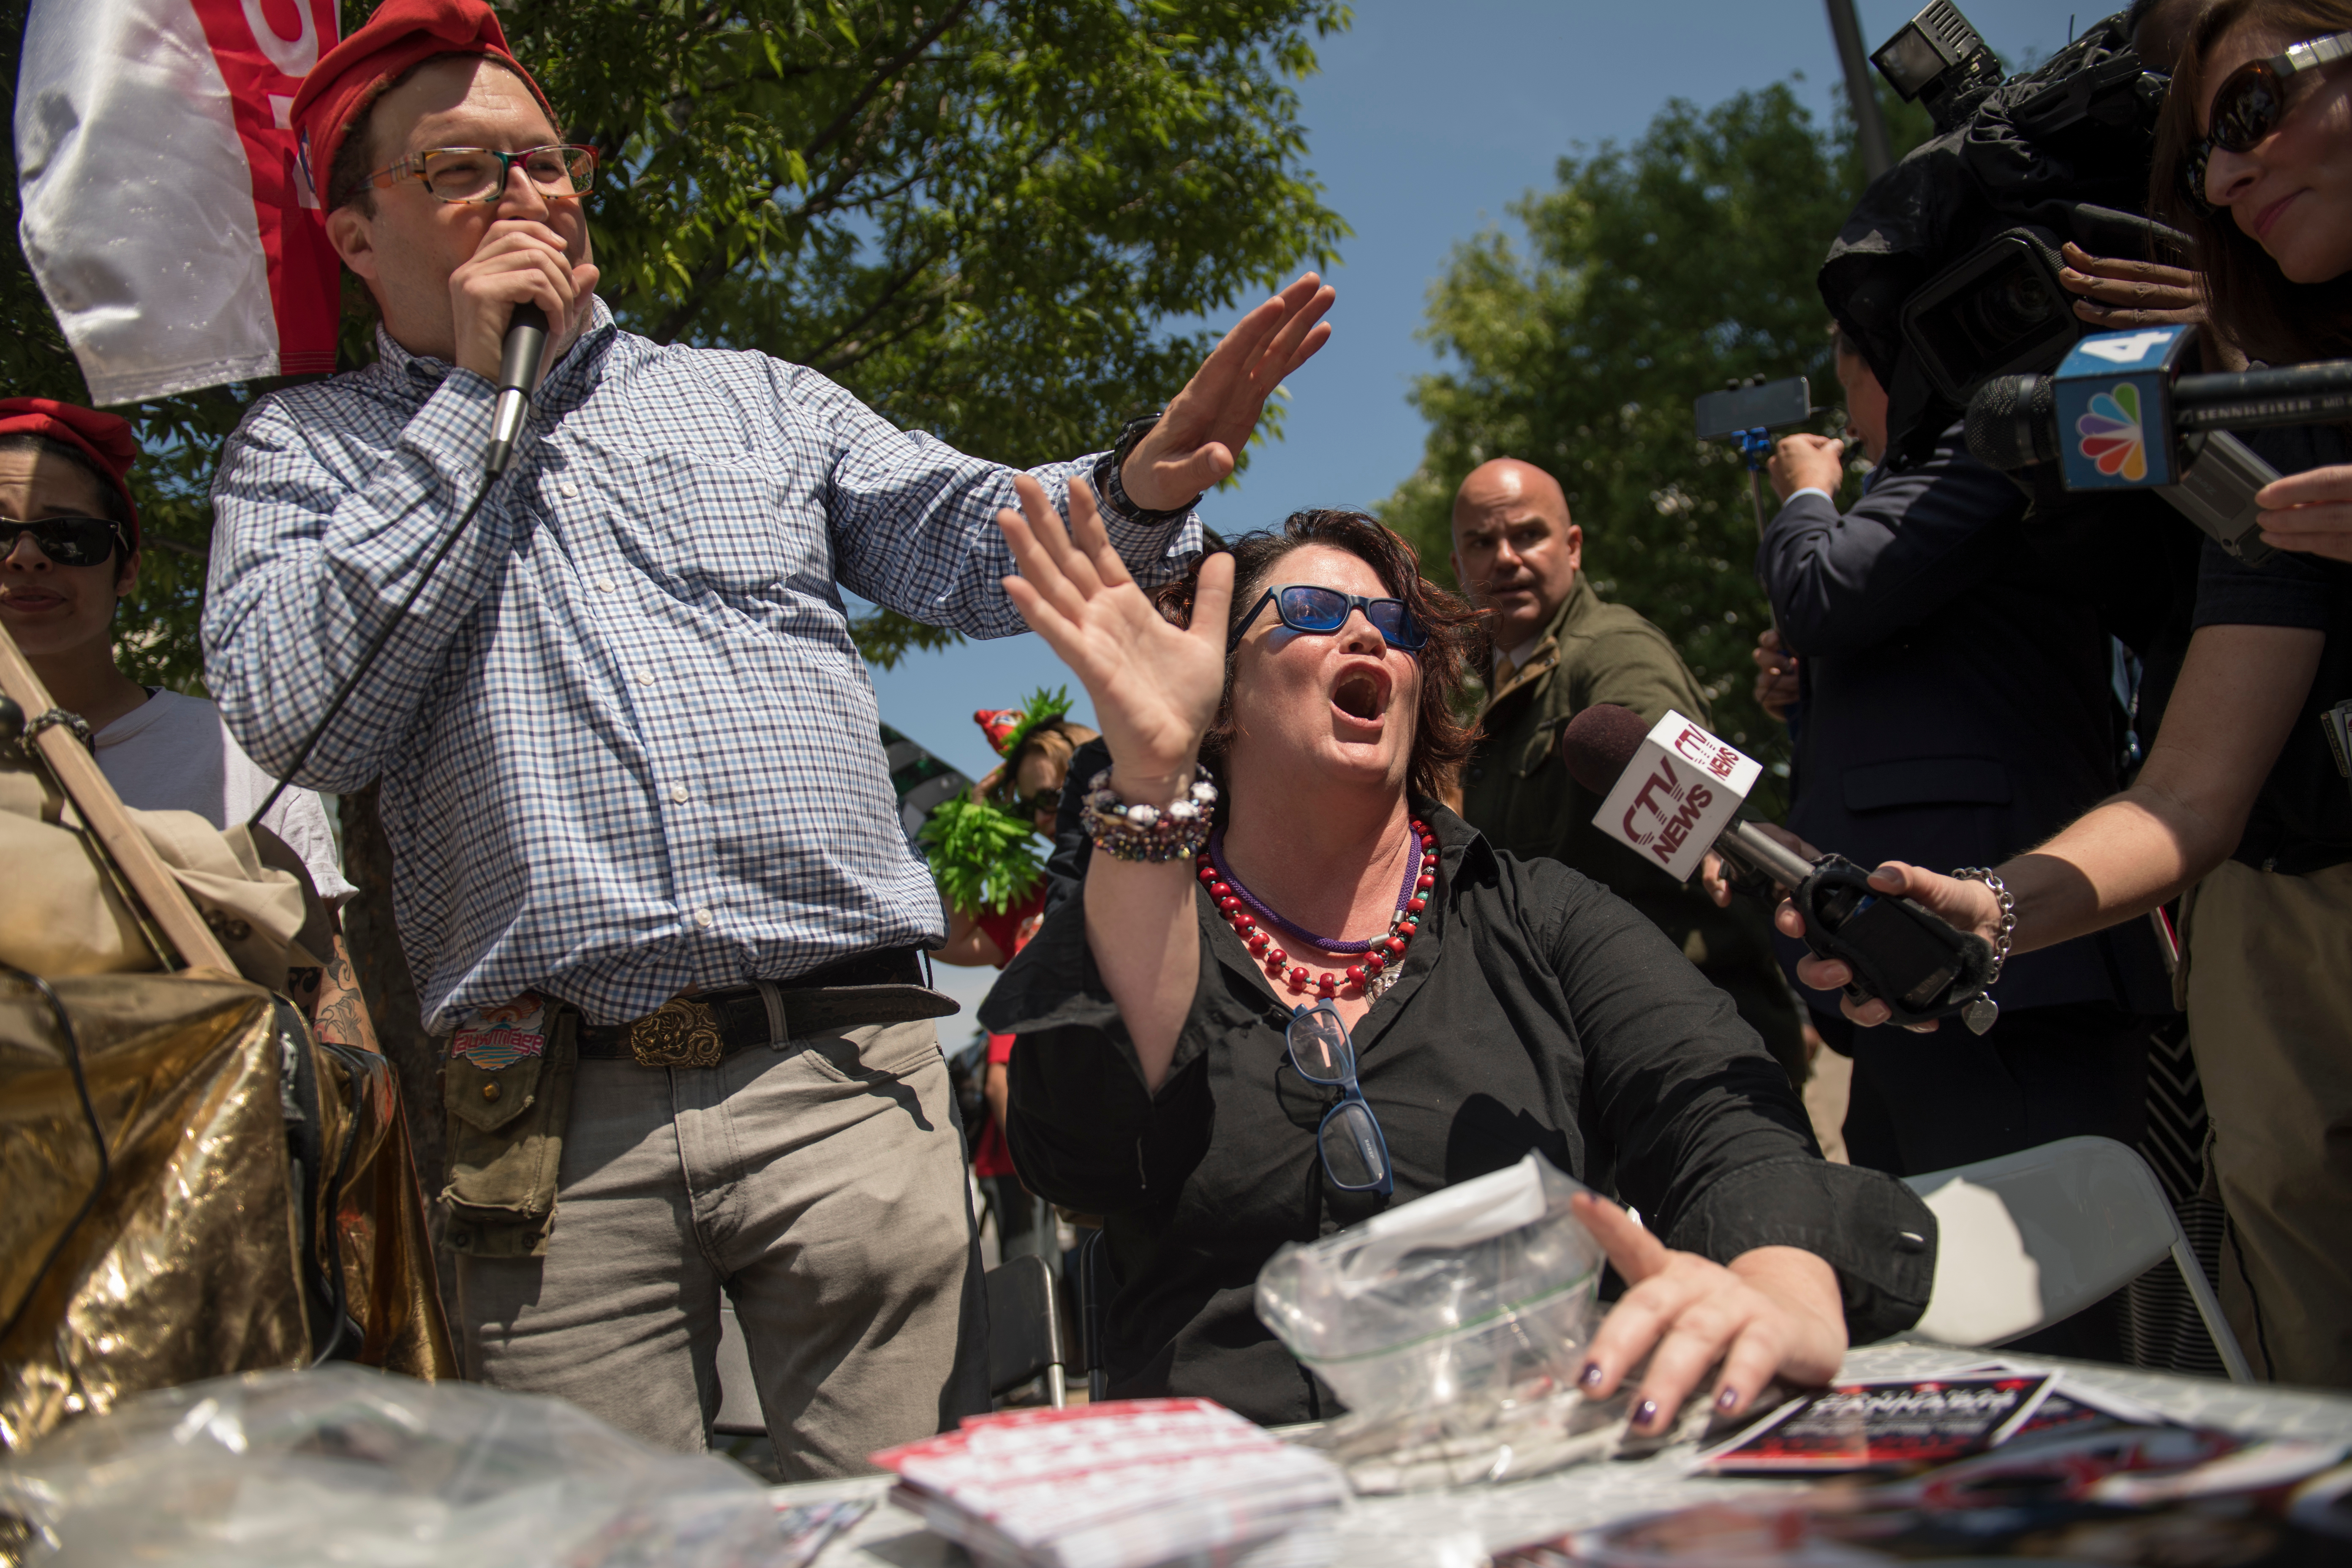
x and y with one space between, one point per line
264 48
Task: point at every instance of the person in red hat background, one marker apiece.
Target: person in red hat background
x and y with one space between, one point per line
649 870
71 528
983 856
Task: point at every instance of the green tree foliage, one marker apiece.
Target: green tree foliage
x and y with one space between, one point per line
975 213
1655 272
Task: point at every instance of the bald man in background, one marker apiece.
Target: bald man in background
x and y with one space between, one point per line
1560 649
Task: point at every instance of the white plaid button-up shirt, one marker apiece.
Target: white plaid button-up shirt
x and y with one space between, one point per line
625 742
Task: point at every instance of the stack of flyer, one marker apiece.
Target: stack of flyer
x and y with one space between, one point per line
1993 1460
1122 1485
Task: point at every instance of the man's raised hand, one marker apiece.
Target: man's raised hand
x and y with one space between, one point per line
1194 444
1155 685
1806 462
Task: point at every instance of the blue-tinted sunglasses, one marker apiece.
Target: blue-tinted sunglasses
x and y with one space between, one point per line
1304 608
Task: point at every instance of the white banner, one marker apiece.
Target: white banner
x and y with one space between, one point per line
165 215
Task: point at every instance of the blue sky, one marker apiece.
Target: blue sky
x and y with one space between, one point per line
1424 122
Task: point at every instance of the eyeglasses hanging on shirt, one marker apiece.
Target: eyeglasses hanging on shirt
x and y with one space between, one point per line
1354 1153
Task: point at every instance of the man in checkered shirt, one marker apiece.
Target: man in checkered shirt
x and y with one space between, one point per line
649 871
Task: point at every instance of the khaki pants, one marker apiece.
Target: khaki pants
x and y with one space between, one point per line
2269 993
820 1184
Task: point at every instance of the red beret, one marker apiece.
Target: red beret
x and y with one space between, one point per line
105 438
400 34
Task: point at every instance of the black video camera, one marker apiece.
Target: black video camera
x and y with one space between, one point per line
1947 272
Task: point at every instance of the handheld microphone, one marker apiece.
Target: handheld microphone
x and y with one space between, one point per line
1672 792
517 374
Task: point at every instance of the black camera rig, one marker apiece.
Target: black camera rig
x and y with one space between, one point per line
1947 272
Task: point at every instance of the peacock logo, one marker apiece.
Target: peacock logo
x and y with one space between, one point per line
2112 435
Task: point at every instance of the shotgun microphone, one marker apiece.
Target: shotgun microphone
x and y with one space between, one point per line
1671 791
517 374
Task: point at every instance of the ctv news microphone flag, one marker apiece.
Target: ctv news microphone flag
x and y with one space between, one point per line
165 215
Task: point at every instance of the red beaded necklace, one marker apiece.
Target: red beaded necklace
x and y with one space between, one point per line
1381 960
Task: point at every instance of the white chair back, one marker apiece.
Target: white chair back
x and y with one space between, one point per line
2028 1238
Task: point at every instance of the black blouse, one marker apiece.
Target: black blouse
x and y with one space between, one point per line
1535 1010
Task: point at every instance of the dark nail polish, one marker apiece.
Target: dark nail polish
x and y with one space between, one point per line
1726 1399
1646 1413
1591 1376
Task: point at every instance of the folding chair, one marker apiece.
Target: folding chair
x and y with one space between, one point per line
1092 1266
1024 1329
2031 1238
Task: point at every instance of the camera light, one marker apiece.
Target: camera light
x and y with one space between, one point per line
1930 44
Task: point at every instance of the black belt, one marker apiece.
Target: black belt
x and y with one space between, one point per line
884 986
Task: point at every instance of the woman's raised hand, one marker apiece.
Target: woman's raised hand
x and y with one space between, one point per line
1772 1311
1155 687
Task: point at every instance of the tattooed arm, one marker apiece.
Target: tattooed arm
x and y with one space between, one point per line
339 1012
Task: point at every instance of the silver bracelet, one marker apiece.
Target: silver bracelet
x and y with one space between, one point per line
1985 1008
1151 833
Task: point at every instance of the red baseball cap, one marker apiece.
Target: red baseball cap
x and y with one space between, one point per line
401 33
104 438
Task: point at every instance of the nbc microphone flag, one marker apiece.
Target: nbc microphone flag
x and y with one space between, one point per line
166 216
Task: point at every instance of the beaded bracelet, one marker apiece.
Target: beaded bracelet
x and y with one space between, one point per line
1152 833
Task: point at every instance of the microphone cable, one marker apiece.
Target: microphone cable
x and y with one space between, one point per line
526 341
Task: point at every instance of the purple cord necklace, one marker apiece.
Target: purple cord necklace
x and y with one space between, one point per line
1258 906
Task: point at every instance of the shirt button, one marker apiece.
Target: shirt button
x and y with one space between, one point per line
679 793
569 489
644 678
703 918
606 585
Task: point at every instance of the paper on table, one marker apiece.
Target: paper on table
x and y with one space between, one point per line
1112 1485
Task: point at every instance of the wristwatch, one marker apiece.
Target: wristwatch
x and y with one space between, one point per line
1108 483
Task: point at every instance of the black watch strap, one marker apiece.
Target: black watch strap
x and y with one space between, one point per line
1109 485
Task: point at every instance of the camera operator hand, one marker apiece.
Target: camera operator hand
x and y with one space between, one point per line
2117 294
1806 462
2310 511
1776 676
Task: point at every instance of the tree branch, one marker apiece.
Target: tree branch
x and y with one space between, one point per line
882 78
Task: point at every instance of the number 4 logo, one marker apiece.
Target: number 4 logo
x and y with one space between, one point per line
2128 348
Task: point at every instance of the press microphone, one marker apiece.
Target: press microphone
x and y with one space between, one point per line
517 374
1671 792
2012 420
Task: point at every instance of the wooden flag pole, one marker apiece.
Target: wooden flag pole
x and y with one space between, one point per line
152 884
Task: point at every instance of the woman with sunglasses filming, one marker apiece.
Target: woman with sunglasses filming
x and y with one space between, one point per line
2242 809
1297 991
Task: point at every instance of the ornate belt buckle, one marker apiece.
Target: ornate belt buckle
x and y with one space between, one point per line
680 1033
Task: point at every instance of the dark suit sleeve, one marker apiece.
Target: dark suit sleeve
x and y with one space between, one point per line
1713 1145
1916 542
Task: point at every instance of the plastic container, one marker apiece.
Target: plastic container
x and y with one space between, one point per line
363 1469
1482 1295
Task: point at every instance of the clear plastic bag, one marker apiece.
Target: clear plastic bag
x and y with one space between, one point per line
1458 1319
344 1466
